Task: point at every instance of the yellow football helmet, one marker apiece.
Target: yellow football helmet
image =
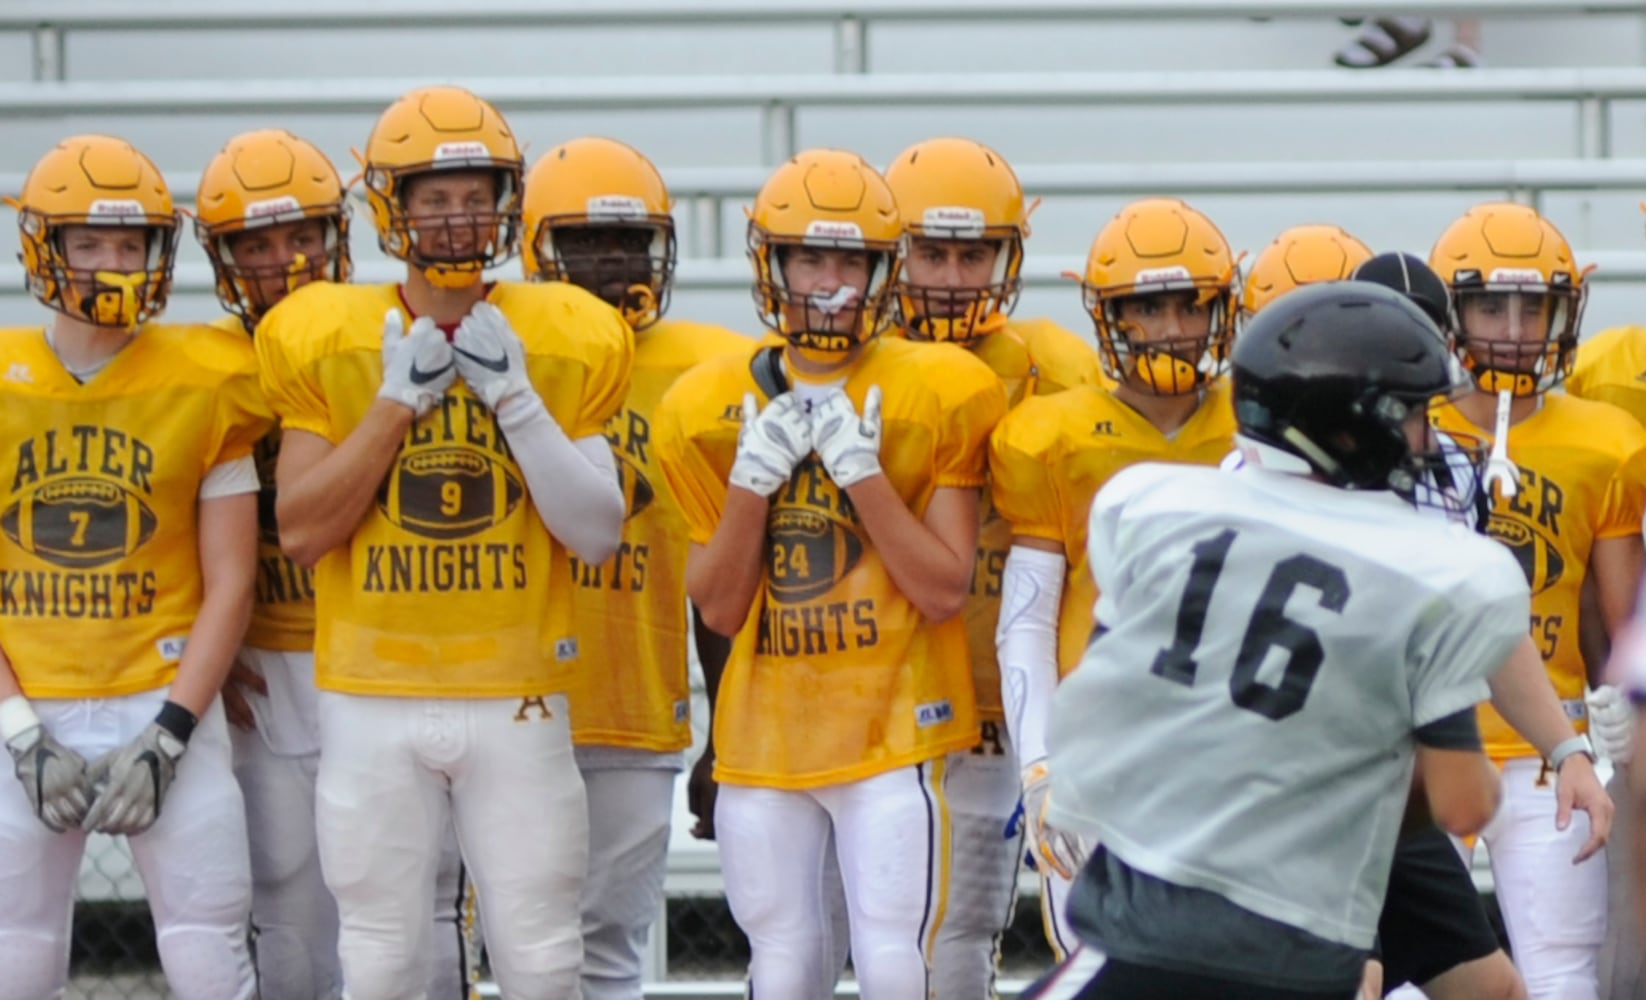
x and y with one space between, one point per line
602 184
824 199
1302 255
260 179
435 129
97 180
1518 295
1155 246
957 189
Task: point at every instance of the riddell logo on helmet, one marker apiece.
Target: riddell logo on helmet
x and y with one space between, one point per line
616 206
461 151
822 229
116 207
272 206
1515 276
1162 275
955 221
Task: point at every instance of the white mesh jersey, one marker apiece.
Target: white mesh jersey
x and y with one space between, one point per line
1245 724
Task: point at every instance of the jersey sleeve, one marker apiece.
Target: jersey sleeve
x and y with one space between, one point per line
969 415
288 382
697 487
1464 637
1019 476
241 419
612 356
1624 505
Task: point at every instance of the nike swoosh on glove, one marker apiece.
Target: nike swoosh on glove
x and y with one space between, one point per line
417 365
490 357
1061 852
1611 723
848 444
130 784
54 778
772 442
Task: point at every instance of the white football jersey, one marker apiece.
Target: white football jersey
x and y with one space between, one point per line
1245 723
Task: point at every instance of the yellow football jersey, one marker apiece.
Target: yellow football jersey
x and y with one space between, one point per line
835 676
282 611
630 687
1611 368
451 586
1032 358
100 562
1051 455
1582 477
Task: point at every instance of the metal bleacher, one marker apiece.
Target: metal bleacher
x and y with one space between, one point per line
1227 102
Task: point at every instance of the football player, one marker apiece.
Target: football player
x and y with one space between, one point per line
442 451
271 216
1159 286
966 220
597 215
1433 931
831 490
1301 255
128 447
1279 644
1568 502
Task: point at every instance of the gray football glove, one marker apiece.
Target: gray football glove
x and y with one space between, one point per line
489 355
53 776
130 784
772 442
848 444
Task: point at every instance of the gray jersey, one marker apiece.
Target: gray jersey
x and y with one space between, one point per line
1245 725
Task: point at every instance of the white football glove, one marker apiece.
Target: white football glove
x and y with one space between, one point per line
53 776
848 444
772 442
490 357
1611 723
1061 852
130 784
417 365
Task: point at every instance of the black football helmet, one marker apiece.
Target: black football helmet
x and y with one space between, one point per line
1408 274
1331 372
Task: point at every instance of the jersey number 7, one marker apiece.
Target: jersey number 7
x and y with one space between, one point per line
1268 627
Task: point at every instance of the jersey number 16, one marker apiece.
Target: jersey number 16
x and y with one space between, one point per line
1268 627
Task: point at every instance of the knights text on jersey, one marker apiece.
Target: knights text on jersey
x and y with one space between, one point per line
835 676
451 586
1244 725
1582 478
630 686
1032 358
100 561
1051 455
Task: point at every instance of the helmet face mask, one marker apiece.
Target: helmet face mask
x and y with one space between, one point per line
1168 343
258 267
977 299
629 265
95 182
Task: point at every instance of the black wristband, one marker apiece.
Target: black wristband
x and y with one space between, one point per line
177 720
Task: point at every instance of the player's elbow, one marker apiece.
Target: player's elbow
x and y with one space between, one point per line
943 599
301 543
721 616
1465 812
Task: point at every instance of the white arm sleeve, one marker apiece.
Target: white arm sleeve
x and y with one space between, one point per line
1031 592
230 479
573 484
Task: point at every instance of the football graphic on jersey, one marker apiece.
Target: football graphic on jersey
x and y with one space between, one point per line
1537 553
80 522
808 552
449 492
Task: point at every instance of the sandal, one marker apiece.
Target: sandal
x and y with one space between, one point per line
1458 56
1383 41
